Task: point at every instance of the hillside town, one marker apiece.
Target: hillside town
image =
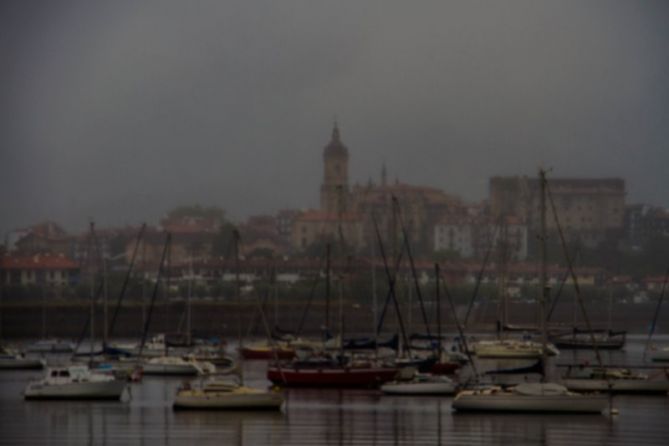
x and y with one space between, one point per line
610 239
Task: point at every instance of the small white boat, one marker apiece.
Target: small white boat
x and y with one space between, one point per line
529 397
421 384
75 382
513 348
660 355
51 346
591 379
176 365
219 395
154 348
11 359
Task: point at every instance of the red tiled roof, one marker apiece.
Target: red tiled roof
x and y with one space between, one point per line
39 261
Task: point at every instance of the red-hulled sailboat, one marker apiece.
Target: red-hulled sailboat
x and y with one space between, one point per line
330 375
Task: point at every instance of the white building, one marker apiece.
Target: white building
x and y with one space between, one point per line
473 238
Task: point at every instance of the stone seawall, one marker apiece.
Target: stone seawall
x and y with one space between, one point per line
30 320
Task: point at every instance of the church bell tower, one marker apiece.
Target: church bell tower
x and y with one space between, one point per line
334 190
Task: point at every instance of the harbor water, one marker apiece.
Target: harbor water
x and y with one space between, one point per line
320 417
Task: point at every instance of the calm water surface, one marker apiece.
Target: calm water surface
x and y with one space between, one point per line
318 417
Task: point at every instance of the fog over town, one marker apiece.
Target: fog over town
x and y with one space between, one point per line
121 111
364 217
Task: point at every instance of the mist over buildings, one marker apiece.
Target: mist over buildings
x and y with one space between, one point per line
121 110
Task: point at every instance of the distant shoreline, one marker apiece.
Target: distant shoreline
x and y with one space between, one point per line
67 318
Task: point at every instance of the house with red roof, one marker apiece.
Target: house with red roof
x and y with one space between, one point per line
52 270
45 237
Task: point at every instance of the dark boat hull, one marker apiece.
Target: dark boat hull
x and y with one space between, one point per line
330 377
250 353
580 345
444 368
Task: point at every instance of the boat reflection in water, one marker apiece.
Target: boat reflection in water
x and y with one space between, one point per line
313 417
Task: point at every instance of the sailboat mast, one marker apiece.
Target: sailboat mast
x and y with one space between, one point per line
438 298
375 315
235 235
92 280
327 287
188 300
545 291
275 294
105 308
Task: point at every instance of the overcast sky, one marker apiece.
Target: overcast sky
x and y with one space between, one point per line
120 110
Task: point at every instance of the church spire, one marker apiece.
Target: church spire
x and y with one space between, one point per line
335 130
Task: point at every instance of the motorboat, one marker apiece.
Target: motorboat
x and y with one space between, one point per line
176 365
12 359
421 384
513 348
529 397
222 395
75 382
51 346
618 380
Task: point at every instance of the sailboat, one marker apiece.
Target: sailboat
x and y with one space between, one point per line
425 383
51 346
657 354
532 397
617 380
226 395
421 384
281 348
220 395
12 359
513 349
169 364
509 348
580 339
323 369
78 381
661 355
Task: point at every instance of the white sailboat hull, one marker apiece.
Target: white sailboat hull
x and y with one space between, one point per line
426 388
112 390
51 346
512 350
617 385
533 403
253 401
